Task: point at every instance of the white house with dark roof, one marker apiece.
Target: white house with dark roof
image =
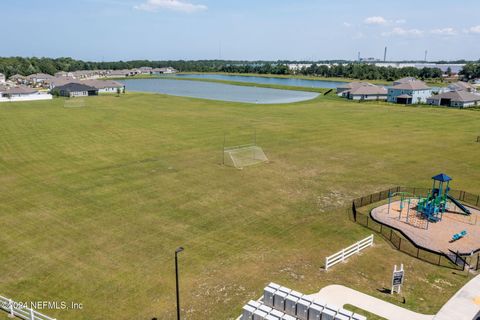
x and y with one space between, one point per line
2 78
457 99
75 89
409 92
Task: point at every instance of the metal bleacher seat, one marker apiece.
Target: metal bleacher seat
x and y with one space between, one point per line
281 303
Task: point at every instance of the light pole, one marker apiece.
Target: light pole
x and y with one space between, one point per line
177 251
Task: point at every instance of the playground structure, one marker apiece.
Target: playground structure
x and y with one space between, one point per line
434 206
430 208
431 218
412 216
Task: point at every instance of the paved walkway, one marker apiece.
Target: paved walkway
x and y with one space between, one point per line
464 305
341 295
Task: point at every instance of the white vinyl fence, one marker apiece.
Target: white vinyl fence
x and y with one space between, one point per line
16 309
347 252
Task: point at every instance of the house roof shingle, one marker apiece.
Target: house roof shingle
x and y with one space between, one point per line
412 85
457 96
75 87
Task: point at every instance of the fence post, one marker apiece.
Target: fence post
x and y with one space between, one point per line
358 247
391 231
32 316
439 259
326 263
400 244
354 211
418 252
478 199
343 255
367 221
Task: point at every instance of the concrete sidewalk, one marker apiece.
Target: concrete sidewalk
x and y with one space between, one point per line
464 305
341 295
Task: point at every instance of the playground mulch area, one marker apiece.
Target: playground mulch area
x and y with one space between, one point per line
435 236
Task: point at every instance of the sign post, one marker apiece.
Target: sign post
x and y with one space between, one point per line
397 279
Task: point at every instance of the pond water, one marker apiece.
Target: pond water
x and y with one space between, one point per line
217 91
267 80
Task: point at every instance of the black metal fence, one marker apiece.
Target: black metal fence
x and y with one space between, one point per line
360 213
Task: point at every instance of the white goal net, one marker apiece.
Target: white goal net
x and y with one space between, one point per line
244 156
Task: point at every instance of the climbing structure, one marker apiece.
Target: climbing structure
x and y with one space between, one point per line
436 203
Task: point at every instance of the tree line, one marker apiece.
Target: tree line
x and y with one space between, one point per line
471 70
25 66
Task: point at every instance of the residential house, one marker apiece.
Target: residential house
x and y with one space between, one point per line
121 73
145 70
75 89
63 74
86 74
37 79
105 86
458 99
59 81
18 79
409 92
371 92
167 70
404 80
350 86
21 93
2 78
462 86
362 91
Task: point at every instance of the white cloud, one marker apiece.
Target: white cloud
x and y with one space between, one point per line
400 21
404 32
475 29
444 31
175 5
346 24
375 20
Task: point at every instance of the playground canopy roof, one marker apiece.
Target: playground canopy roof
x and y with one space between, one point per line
442 177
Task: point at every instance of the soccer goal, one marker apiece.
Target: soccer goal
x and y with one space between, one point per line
243 156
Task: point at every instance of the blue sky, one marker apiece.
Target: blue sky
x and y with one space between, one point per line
240 29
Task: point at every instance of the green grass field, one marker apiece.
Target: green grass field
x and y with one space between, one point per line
94 200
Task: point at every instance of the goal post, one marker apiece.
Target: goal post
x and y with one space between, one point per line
243 156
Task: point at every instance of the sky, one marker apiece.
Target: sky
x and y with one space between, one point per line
108 30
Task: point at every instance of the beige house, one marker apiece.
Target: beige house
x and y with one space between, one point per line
364 91
462 86
105 86
457 99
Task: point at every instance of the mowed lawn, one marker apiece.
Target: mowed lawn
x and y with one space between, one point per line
94 200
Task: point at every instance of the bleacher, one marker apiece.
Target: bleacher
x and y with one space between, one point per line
281 303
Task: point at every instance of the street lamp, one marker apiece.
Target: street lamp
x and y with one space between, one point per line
177 251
